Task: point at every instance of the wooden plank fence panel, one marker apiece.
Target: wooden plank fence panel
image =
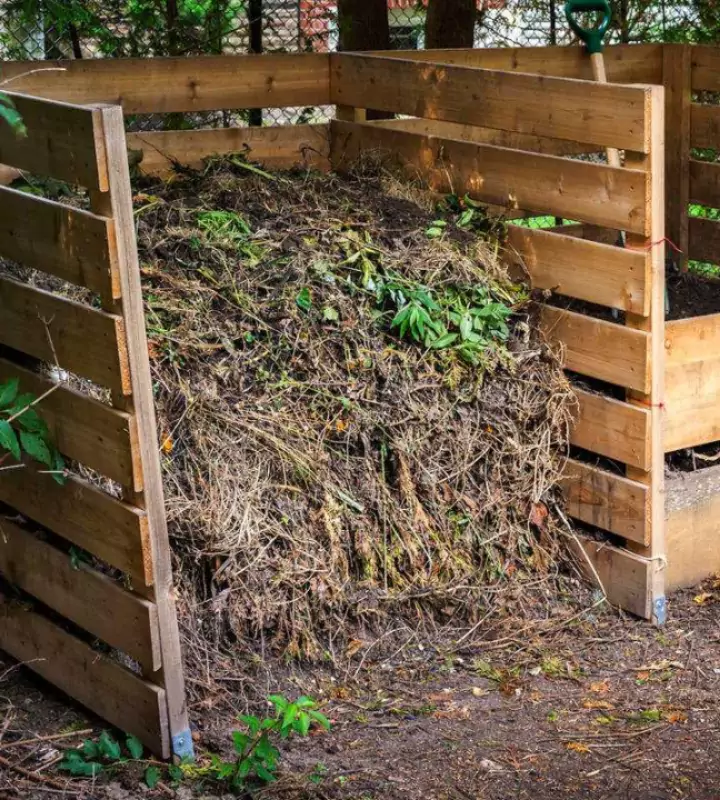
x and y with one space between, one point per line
705 68
277 147
84 340
67 242
88 517
613 429
705 126
626 577
83 429
93 679
473 133
504 177
599 349
580 111
90 599
598 273
169 85
61 142
704 240
611 502
636 63
705 183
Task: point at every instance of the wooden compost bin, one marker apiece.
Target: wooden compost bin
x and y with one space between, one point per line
504 126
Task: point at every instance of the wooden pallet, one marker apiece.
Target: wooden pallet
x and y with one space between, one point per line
127 535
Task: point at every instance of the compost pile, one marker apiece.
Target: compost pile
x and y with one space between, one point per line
359 421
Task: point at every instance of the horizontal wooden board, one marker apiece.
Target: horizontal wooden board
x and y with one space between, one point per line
83 429
692 339
705 68
692 382
90 599
88 517
705 183
66 242
62 141
693 527
598 273
279 147
613 429
608 501
164 85
504 177
626 577
93 679
636 63
473 133
86 341
560 108
705 126
599 349
704 240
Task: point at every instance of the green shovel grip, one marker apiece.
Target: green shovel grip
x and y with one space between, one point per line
592 37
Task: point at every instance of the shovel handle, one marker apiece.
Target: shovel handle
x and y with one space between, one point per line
591 37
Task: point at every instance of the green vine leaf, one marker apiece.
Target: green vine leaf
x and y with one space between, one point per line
9 440
135 747
8 392
36 448
152 777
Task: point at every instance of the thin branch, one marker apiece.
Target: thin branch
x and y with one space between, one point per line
32 72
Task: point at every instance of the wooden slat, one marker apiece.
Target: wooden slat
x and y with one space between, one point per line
66 242
162 85
473 133
692 379
693 527
278 147
705 183
626 577
636 63
120 204
86 341
693 339
613 429
93 679
598 273
676 80
87 597
705 126
607 501
501 176
705 68
61 142
600 349
83 429
88 517
704 240
560 108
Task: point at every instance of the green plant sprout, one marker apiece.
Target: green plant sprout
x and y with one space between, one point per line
24 432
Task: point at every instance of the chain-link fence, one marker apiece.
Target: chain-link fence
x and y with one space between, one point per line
51 29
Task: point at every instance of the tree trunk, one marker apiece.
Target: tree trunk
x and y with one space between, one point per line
255 19
450 23
363 25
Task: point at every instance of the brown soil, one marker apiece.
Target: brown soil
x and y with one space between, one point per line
692 295
607 707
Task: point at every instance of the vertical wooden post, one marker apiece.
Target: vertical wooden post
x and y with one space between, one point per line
653 245
117 203
678 98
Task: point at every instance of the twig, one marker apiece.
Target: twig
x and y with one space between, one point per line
32 776
54 737
31 72
587 558
17 414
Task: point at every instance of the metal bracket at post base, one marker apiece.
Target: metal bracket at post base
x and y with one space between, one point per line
660 611
182 746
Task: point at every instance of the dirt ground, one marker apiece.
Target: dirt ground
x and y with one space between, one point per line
606 707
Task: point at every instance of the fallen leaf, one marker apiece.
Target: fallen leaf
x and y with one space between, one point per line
577 747
674 717
600 687
167 444
598 705
539 515
643 677
354 646
455 713
703 598
340 425
478 692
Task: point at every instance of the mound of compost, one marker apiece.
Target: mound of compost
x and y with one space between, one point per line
359 420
